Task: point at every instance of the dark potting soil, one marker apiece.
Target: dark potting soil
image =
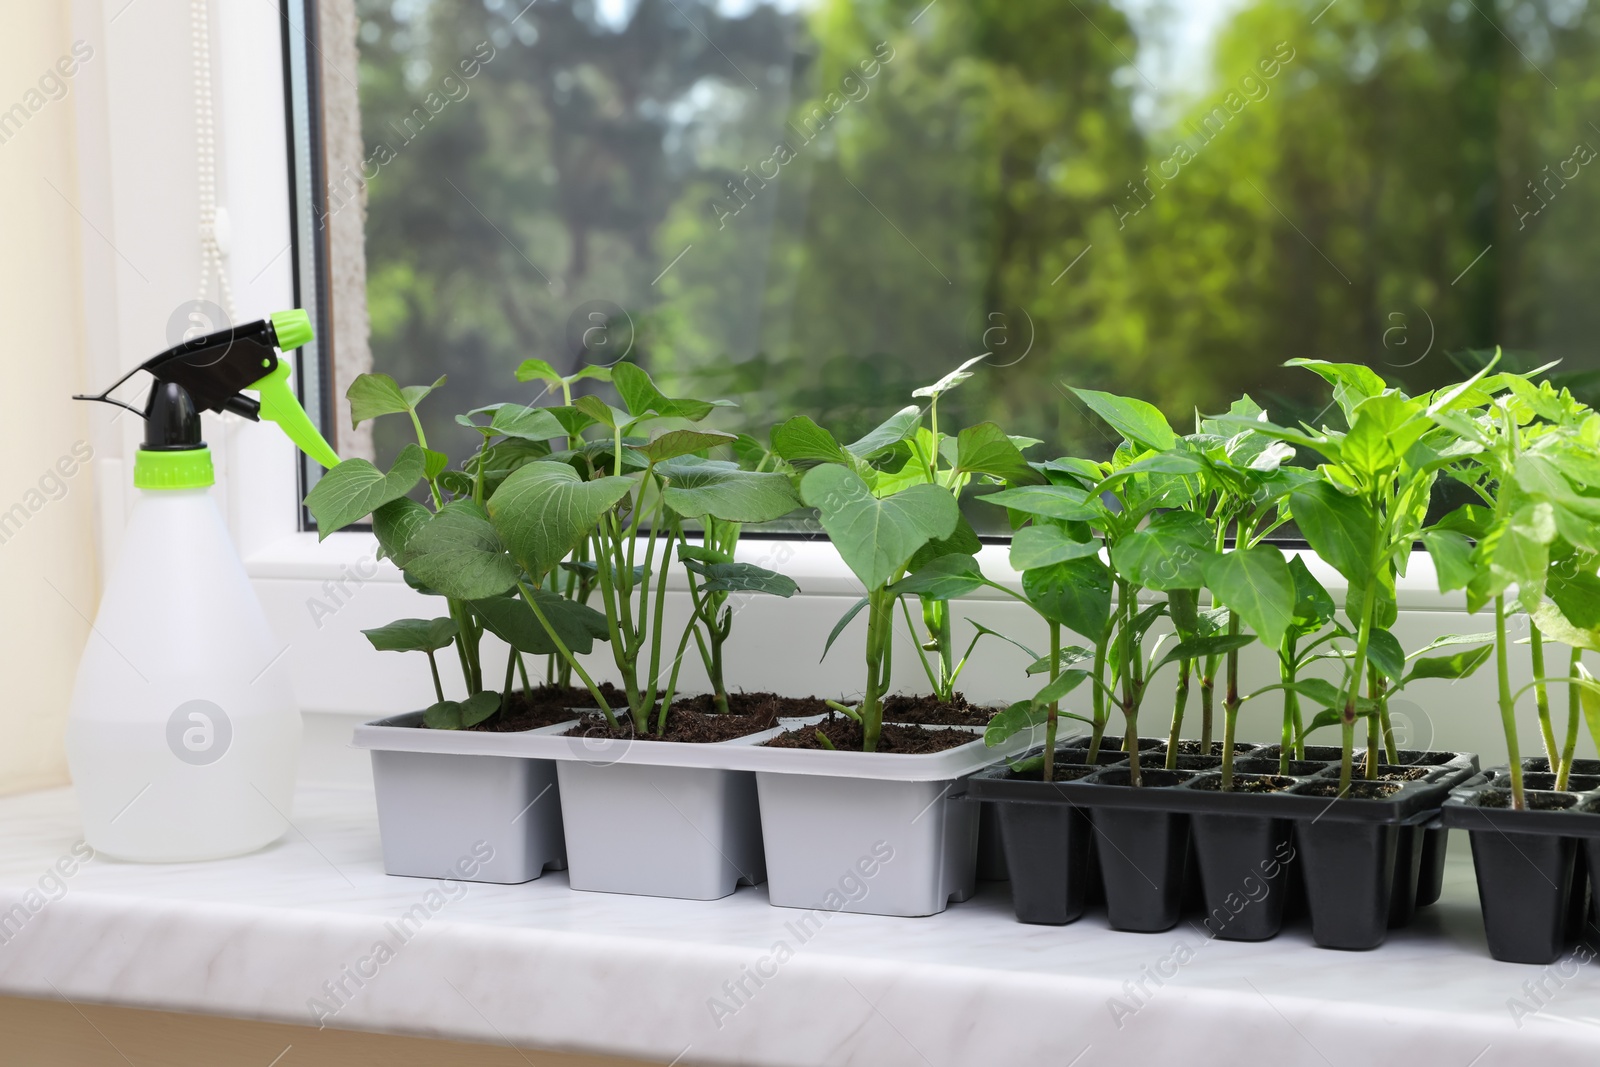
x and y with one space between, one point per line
1360 789
1537 801
1149 777
846 735
1247 783
926 710
1298 768
761 703
1193 763
1192 748
544 706
1069 773
693 727
1388 772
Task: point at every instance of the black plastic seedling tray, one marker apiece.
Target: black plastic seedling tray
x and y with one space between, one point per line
1533 866
1361 859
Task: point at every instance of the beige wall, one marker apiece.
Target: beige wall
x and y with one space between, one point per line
48 582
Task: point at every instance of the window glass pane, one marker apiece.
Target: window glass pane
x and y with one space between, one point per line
818 205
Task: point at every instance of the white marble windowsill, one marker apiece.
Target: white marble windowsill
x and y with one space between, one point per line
542 966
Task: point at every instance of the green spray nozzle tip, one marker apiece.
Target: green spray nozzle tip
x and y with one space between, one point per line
278 404
293 328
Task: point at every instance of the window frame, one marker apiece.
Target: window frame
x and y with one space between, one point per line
295 571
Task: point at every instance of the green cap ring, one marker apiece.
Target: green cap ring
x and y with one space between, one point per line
293 328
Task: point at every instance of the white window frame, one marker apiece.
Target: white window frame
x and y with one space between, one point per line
135 131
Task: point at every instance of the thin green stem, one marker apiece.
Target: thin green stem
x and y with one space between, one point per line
566 654
1508 717
879 623
438 688
1541 697
1051 716
1180 701
1230 709
1573 709
1358 668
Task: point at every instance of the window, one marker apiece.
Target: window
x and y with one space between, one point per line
818 205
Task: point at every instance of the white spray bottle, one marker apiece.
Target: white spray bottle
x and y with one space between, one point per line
184 732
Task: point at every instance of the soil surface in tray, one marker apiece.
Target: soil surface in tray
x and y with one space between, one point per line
1069 773
763 703
1360 789
1247 783
687 725
905 740
1501 798
926 710
545 706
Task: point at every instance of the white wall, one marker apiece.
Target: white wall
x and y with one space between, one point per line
48 576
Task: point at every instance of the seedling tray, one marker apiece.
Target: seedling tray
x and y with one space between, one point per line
1532 886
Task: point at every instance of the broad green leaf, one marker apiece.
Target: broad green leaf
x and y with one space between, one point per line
458 553
1070 656
1169 553
890 432
1352 382
1577 595
877 537
1450 640
676 443
530 370
964 542
413 635
946 578
1255 584
1320 691
514 420
803 442
1519 552
414 394
433 463
510 619
1013 720
1040 546
695 490
1458 665
641 397
1063 502
371 395
599 411
355 488
1342 529
1183 608
1136 420
1203 647
459 715
395 523
1313 607
544 510
742 578
985 449
1076 594
1451 553
1384 653
949 381
1557 627
1385 427
1589 700
1060 686
838 627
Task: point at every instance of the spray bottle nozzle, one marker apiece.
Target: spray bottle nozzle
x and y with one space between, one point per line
209 373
